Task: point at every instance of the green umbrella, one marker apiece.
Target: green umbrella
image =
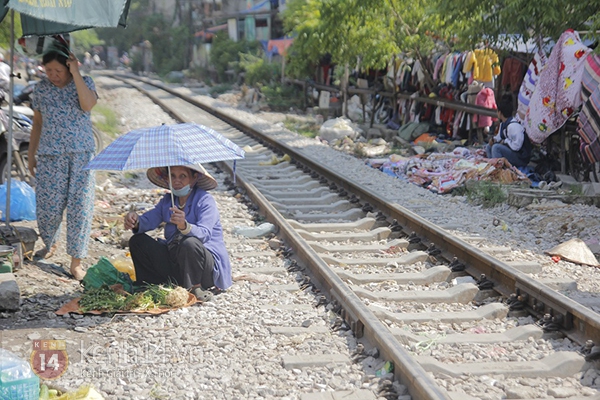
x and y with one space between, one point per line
51 18
62 17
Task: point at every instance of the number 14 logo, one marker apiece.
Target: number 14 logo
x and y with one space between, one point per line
49 362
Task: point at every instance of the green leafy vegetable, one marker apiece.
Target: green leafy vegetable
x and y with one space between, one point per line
102 298
154 296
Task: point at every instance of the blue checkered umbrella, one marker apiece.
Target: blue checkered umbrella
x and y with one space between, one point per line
166 145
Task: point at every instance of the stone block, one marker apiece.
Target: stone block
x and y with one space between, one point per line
566 179
10 296
590 188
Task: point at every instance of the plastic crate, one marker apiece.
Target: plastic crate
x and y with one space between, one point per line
22 389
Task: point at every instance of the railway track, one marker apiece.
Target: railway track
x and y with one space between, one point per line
418 295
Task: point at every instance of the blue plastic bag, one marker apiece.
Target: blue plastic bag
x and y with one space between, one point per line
22 201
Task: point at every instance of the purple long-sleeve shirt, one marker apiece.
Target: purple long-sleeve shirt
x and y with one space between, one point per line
203 216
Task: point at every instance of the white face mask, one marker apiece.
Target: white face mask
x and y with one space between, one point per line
184 191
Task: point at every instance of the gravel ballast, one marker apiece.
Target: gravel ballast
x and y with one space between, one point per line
226 348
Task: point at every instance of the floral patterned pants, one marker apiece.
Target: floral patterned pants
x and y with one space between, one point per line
62 183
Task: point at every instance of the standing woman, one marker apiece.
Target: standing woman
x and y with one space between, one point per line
62 139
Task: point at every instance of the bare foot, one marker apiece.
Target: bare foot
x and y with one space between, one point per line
76 269
45 253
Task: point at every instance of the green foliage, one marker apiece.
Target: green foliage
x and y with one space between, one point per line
201 74
372 31
367 30
168 42
474 20
282 98
225 53
136 30
5 30
258 70
346 29
485 193
304 128
220 89
83 41
106 120
576 190
594 29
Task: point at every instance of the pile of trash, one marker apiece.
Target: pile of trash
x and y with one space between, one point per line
338 129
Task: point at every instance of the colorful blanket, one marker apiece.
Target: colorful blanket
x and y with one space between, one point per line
589 118
589 127
557 93
591 76
528 85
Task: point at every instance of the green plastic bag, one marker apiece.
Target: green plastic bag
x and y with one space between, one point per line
413 130
104 273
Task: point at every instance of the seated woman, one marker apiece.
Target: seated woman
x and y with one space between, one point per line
511 142
193 253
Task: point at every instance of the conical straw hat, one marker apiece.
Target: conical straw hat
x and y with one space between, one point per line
160 177
576 251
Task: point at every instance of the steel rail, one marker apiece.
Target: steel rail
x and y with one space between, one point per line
361 319
580 323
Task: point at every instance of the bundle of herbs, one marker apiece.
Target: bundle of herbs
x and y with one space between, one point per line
113 299
101 299
170 296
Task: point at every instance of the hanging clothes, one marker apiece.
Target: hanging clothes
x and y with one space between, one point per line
468 58
484 65
438 66
512 73
557 93
589 118
528 85
472 92
405 74
457 71
417 72
452 60
485 98
591 76
589 127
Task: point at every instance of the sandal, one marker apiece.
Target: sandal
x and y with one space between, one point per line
201 294
44 253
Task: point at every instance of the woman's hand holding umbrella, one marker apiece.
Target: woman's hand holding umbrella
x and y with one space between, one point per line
178 218
131 220
73 64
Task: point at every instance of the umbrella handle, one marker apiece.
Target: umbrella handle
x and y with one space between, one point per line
171 186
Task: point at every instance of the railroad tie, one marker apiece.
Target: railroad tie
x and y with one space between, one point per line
369 236
435 274
519 333
395 246
463 293
406 259
562 364
362 224
489 311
